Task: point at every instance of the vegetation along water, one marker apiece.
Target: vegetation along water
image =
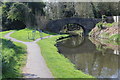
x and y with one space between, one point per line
59 39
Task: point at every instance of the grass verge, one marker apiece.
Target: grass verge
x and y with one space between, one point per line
3 33
27 35
60 66
13 57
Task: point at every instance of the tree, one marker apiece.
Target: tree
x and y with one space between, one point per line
36 6
84 10
18 12
106 8
57 10
5 9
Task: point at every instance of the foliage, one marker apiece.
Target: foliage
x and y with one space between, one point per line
13 57
84 10
110 41
115 37
108 8
36 6
18 11
8 24
11 66
60 66
105 8
27 34
5 8
100 25
15 15
104 30
56 10
109 24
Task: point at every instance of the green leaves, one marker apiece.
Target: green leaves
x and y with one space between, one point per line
17 14
18 11
36 6
13 58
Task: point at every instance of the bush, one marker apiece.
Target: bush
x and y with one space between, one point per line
13 58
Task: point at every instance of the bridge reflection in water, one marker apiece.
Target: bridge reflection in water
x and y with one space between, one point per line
100 63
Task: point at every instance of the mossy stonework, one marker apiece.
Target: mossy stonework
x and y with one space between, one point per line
108 31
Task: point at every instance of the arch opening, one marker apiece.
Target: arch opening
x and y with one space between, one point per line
73 28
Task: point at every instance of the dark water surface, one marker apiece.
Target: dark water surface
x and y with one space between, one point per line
91 56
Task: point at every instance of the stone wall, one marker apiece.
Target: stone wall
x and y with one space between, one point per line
86 23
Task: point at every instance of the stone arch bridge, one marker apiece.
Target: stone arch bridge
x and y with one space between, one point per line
86 23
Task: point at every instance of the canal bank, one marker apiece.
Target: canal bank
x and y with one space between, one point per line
106 31
91 56
60 66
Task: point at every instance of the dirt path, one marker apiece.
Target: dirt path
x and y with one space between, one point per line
35 66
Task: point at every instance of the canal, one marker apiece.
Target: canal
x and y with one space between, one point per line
91 56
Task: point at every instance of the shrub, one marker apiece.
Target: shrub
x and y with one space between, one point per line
13 58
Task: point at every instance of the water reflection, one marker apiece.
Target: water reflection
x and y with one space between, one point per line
94 58
72 42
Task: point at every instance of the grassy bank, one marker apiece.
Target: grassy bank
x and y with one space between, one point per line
27 35
60 66
3 33
13 57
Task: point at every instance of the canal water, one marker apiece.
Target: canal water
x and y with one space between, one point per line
92 56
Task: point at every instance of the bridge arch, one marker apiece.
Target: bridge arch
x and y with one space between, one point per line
69 27
87 24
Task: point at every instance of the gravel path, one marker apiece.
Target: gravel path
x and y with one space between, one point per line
35 66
